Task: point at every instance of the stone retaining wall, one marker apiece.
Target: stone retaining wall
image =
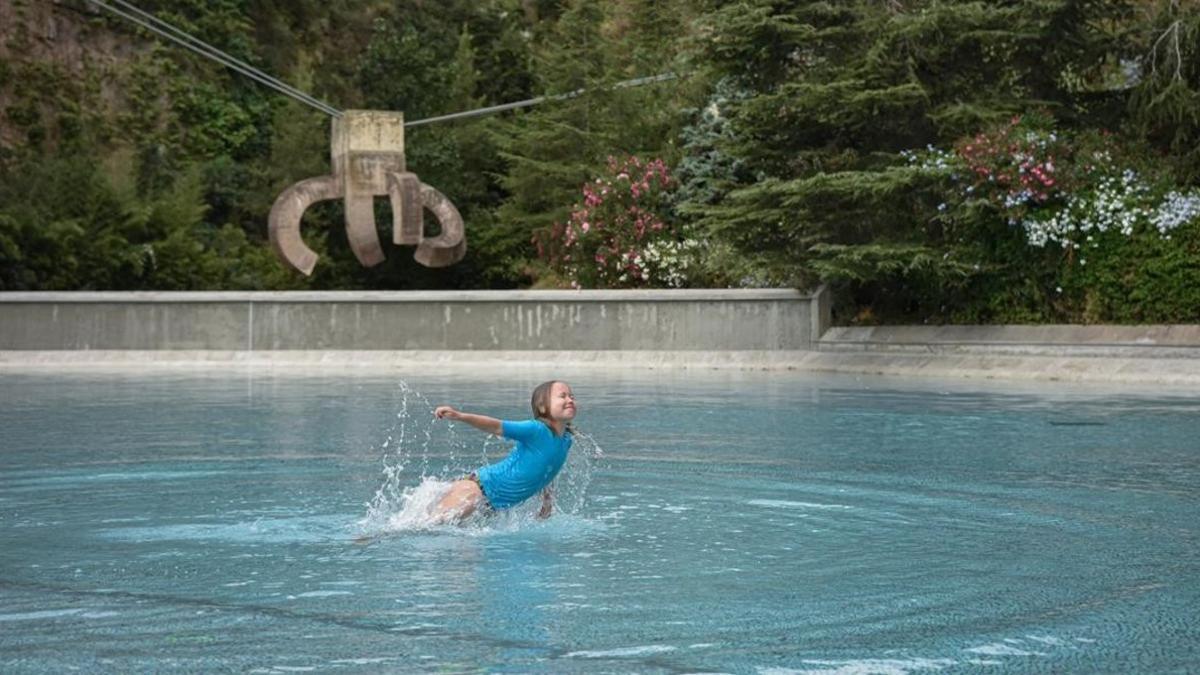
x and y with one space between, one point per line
740 329
679 320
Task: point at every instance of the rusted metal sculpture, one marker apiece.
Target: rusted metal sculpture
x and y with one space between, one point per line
367 150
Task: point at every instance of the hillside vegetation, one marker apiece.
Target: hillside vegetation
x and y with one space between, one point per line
930 160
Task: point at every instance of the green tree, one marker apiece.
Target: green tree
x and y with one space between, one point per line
834 92
1165 102
552 149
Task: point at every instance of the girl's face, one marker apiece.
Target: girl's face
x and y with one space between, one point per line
562 402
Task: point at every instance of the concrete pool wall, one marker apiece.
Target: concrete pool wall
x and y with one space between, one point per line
681 320
725 328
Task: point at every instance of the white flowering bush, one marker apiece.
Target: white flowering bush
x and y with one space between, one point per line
1176 209
1059 191
1117 203
1058 226
667 262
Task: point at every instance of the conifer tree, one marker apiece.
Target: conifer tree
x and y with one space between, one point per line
552 149
835 92
1165 104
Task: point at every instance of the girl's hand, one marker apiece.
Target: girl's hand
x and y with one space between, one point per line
481 422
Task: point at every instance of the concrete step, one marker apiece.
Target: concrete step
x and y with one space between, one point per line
1151 341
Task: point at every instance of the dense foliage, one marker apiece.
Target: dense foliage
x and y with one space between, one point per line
618 235
933 160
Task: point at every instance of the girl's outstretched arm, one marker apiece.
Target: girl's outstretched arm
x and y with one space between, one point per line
481 422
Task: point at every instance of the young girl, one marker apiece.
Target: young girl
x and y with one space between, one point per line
541 451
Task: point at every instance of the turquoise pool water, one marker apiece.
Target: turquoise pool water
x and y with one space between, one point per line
745 523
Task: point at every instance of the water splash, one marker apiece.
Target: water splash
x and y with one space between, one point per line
572 483
415 510
409 491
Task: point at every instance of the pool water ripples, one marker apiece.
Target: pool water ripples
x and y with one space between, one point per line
749 523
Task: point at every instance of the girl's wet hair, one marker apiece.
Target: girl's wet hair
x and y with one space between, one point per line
540 402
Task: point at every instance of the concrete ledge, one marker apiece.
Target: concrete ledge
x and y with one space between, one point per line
1131 371
772 329
385 360
1166 342
633 295
686 320
1174 372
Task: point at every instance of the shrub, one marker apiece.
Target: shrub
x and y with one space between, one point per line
618 235
1103 233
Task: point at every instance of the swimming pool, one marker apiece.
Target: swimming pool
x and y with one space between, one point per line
737 522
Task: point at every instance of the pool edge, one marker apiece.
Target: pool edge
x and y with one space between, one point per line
1131 370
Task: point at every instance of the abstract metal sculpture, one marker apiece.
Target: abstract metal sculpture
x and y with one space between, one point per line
367 151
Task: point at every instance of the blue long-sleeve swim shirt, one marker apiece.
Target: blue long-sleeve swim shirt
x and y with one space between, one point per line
535 460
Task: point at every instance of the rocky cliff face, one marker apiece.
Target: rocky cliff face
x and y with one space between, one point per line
57 56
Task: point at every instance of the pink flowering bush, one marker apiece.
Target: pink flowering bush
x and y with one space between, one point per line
1016 165
617 236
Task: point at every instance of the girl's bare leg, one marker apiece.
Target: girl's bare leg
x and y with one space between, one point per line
459 502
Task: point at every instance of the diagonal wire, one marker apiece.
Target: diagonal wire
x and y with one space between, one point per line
636 82
206 49
160 27
166 30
